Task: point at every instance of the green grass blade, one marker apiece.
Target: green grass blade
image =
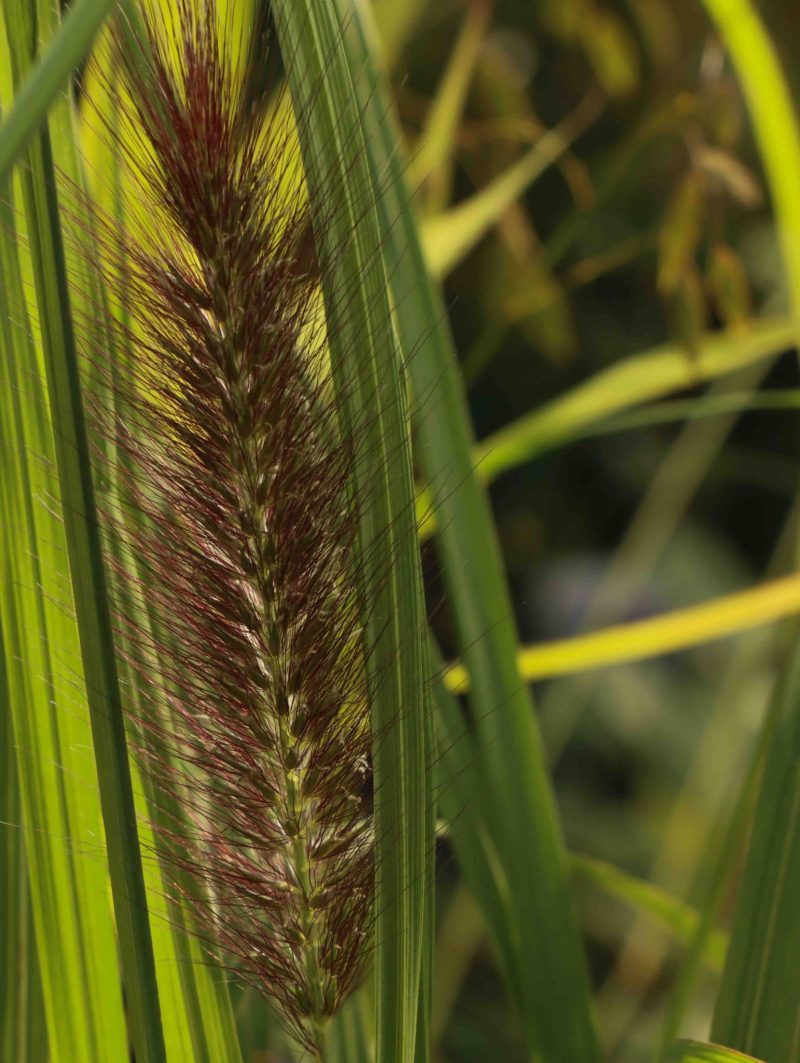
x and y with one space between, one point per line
679 918
349 1040
450 236
590 407
69 47
733 836
23 1036
86 567
13 889
550 974
83 542
437 139
704 1052
92 608
368 376
57 781
56 787
774 121
469 835
461 933
758 1008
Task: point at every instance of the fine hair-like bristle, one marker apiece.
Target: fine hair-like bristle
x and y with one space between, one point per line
245 524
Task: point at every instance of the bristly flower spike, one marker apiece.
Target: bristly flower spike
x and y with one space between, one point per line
245 527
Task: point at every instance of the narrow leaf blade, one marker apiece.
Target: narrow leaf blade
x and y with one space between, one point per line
758 1008
550 972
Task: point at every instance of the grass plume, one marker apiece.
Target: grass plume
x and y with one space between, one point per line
240 480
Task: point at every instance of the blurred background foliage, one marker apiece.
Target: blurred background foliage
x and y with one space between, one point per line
648 221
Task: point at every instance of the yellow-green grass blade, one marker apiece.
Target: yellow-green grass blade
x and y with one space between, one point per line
705 1052
629 383
32 731
48 78
709 405
547 972
91 602
450 236
397 23
13 889
368 377
198 1021
170 946
23 1035
57 781
437 138
758 1007
774 122
85 561
679 629
197 1017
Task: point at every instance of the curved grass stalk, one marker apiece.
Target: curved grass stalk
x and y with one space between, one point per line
774 119
678 630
